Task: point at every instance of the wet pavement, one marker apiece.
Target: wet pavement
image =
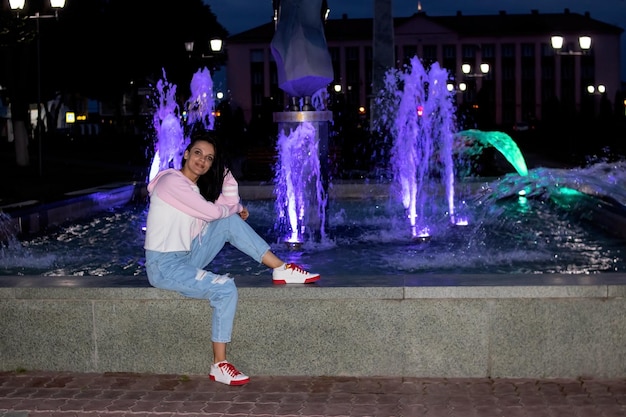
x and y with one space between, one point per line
32 393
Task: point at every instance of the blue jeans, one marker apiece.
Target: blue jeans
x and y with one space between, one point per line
183 271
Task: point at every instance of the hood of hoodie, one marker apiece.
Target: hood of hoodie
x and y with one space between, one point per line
159 175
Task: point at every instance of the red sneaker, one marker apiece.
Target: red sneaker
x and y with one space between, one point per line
293 274
226 373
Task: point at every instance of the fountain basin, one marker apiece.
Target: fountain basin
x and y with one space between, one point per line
366 239
354 324
31 217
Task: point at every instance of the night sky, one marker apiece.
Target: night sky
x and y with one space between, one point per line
240 15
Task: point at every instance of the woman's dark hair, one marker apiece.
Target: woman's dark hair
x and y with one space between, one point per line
210 184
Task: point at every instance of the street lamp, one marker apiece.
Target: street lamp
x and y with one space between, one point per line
584 42
215 45
56 5
460 88
596 90
466 69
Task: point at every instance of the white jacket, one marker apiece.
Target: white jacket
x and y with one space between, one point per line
178 212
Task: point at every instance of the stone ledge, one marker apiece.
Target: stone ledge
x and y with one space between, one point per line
465 330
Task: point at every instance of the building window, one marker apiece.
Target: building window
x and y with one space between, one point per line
508 72
547 70
352 53
257 75
408 52
528 72
335 57
508 50
257 98
528 50
547 50
449 52
257 55
369 61
587 65
528 61
429 53
488 50
468 51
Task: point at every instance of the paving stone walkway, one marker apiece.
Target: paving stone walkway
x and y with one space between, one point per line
127 394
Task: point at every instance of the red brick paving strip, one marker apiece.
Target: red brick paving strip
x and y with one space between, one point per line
58 394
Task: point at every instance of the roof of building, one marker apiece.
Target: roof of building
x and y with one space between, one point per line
524 24
503 24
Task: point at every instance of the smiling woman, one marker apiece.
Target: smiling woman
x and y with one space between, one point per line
186 228
198 160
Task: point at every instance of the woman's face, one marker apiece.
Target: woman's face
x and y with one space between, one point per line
198 160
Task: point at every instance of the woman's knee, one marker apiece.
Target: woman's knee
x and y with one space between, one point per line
222 289
228 285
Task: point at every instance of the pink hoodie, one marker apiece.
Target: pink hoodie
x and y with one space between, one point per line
178 212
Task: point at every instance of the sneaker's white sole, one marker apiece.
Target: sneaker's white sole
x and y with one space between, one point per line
306 281
233 382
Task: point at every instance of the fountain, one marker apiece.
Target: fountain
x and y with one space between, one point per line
521 223
369 235
529 287
536 256
169 123
416 111
304 71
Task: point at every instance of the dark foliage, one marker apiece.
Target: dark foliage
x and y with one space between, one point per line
97 48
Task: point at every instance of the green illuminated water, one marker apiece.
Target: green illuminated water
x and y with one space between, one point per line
503 143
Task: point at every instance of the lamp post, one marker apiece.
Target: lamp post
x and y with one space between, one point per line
470 90
557 41
459 88
599 90
596 90
215 45
56 5
574 64
466 69
468 74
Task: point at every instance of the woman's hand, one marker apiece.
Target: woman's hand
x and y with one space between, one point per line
244 214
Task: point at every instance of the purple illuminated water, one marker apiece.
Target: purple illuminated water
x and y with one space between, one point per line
418 113
201 103
169 121
169 131
300 196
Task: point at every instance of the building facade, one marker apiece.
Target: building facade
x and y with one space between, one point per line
527 80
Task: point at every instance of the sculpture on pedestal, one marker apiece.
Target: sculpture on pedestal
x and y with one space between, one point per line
299 47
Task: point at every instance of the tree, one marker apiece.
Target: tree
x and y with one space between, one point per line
118 41
98 47
15 39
